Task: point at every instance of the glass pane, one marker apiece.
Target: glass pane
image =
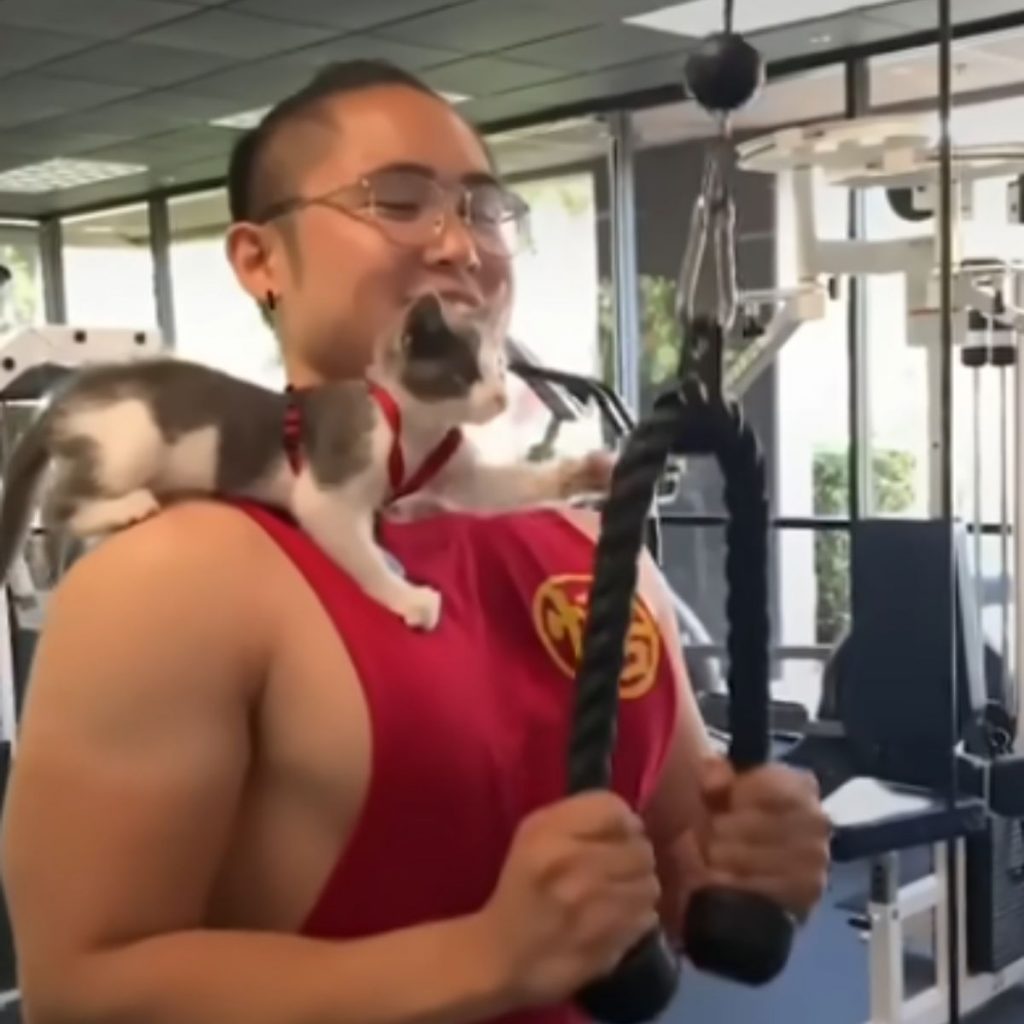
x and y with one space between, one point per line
108 269
797 404
799 681
811 581
560 313
215 321
693 560
903 354
19 253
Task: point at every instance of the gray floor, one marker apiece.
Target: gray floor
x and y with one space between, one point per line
826 981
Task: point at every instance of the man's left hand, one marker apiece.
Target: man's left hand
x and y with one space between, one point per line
765 832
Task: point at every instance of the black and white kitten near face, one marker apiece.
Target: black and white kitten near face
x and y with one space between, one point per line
119 441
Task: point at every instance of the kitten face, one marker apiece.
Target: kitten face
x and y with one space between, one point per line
454 360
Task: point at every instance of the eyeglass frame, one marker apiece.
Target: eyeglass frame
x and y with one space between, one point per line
520 209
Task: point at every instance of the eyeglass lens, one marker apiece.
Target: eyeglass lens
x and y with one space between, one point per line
410 206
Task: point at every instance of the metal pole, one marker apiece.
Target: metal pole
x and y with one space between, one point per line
624 260
163 285
858 102
51 257
945 397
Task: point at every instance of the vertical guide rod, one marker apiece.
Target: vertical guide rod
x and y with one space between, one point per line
624 261
946 494
861 500
1017 528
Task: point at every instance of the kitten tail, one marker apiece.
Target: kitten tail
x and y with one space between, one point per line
21 477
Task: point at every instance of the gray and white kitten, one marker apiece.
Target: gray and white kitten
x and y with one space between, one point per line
122 440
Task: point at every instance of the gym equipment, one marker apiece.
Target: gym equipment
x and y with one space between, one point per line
740 935
884 769
899 156
886 759
32 360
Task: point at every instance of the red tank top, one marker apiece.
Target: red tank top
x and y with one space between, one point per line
470 723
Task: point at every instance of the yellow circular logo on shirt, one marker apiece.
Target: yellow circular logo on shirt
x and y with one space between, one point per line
559 616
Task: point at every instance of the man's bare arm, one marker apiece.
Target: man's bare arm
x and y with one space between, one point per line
132 757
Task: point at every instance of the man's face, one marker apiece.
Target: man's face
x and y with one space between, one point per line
342 282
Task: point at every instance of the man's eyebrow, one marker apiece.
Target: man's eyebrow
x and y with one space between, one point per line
424 171
480 178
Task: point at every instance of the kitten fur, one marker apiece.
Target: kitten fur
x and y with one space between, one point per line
119 441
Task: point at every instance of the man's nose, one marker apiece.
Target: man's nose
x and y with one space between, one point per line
454 244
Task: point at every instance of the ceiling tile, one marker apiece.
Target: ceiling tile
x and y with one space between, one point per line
33 97
185 108
492 24
923 14
616 10
124 119
45 140
485 76
594 48
101 19
575 90
234 35
846 30
251 85
25 47
410 56
124 151
196 139
131 63
344 14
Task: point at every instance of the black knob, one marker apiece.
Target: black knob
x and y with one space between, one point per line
640 989
724 73
737 935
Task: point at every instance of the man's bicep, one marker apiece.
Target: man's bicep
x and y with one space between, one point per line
131 755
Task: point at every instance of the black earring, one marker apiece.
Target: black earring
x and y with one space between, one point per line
271 301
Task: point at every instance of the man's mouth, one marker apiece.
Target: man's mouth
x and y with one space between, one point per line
461 303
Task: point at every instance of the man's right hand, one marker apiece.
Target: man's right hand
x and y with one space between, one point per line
577 891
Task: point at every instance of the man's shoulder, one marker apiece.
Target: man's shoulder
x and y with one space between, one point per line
585 520
207 548
171 597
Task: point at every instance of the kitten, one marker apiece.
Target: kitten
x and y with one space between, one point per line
121 440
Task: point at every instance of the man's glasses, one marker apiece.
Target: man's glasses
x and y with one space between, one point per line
412 209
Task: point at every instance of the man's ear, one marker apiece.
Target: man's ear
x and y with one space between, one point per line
250 251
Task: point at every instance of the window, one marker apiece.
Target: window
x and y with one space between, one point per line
108 269
797 405
903 365
19 253
798 399
563 282
215 321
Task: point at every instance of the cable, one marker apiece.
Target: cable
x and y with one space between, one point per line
733 933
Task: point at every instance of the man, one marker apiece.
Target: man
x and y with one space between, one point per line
244 792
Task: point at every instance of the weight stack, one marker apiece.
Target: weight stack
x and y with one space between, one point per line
995 895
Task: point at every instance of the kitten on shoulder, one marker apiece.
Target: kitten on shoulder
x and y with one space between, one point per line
122 440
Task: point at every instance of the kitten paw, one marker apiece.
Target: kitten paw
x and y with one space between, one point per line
415 507
591 474
420 608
